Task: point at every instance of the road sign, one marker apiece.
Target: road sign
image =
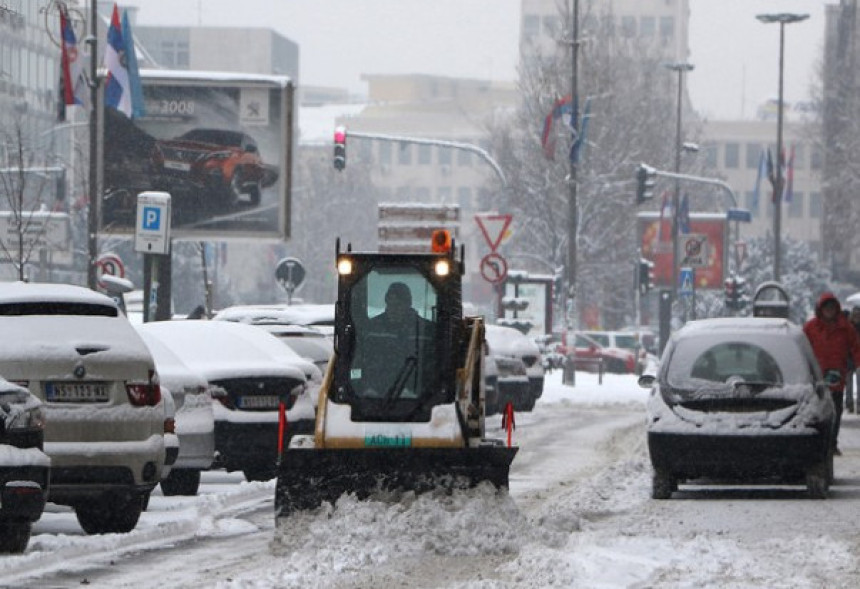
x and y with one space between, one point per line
152 227
694 250
110 264
494 228
290 274
742 215
494 268
685 282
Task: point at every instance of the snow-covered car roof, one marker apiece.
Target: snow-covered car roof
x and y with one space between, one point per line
739 325
172 371
299 314
30 292
222 349
510 342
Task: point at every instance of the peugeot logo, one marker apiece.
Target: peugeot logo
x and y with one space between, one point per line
80 371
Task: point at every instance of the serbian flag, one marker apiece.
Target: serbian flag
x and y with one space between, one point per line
762 173
684 215
121 78
73 82
560 107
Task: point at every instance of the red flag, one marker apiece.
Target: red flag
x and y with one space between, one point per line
560 106
73 79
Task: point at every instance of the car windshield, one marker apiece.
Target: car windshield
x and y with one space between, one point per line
601 338
217 136
57 308
628 342
760 358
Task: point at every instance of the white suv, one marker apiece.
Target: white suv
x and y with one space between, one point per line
104 428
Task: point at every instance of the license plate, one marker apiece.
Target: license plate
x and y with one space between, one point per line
74 392
258 402
181 166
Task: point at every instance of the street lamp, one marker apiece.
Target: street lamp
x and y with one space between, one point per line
681 68
783 19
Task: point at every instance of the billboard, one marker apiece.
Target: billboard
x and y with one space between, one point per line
703 248
219 143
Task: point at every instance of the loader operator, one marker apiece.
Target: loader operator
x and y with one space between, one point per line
401 337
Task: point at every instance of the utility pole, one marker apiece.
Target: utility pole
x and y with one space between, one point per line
93 196
572 215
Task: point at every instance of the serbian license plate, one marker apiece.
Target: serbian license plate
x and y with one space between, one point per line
76 392
258 402
181 166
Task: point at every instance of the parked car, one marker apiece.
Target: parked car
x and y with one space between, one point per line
224 163
24 468
739 399
307 342
251 373
515 356
594 351
194 418
317 316
74 350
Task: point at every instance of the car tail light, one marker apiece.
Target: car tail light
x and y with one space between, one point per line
170 426
144 394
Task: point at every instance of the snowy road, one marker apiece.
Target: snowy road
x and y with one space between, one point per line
579 514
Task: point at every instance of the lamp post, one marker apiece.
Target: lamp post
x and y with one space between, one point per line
776 178
681 68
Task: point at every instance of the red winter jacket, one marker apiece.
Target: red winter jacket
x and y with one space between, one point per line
833 342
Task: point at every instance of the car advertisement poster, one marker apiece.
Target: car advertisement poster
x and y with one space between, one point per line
220 144
703 249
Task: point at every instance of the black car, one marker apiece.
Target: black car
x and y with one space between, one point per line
24 468
739 400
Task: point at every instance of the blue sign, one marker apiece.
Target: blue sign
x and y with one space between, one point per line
151 219
742 215
685 282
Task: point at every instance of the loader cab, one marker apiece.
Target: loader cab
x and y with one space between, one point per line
396 320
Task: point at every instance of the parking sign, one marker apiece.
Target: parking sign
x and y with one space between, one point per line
152 229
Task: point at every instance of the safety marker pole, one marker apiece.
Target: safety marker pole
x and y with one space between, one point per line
282 427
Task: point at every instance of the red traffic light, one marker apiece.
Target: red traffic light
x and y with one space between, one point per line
340 148
340 135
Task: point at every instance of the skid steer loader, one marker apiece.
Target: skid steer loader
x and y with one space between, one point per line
401 406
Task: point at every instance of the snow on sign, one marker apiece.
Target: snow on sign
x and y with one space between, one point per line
408 227
494 227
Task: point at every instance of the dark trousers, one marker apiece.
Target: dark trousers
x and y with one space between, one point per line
838 402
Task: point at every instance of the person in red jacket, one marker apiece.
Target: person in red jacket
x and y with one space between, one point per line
834 342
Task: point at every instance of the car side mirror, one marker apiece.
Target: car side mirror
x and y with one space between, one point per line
646 381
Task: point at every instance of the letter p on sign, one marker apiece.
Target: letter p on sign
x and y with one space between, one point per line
151 218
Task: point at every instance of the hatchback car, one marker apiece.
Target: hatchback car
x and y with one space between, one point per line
194 418
24 468
104 427
251 373
739 400
594 351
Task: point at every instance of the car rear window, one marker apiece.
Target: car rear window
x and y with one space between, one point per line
57 308
628 342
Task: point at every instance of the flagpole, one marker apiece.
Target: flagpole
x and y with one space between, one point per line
93 196
572 216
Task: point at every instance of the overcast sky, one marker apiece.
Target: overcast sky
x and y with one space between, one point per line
735 56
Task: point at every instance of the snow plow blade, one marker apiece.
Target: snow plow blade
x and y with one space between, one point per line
308 478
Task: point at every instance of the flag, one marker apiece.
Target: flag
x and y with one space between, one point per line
788 189
119 84
762 172
577 147
665 210
684 215
73 82
560 107
137 109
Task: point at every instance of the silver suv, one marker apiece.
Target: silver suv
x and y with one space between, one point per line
104 433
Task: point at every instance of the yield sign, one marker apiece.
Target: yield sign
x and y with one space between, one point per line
493 227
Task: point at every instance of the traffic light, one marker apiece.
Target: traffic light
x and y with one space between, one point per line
646 276
736 292
646 177
340 148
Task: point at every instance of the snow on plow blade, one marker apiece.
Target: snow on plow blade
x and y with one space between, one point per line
307 478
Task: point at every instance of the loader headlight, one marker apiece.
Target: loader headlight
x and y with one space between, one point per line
344 266
442 268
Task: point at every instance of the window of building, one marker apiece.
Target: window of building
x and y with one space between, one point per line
815 159
464 158
444 194
531 26
753 155
551 26
815 205
667 27
464 198
795 205
365 150
647 26
628 26
403 194
183 59
422 194
732 155
425 155
384 153
800 156
443 155
404 154
710 152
